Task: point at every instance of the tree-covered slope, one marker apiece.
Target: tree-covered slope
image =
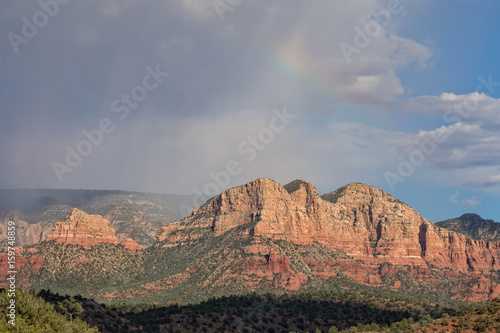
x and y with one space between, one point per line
34 315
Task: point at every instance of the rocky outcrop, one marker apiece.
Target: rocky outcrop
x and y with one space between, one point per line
130 244
277 264
280 264
83 229
87 230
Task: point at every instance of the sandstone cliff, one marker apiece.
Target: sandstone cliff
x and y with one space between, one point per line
361 221
87 230
83 229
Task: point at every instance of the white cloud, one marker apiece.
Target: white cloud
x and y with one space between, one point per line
466 146
471 107
464 204
483 181
457 154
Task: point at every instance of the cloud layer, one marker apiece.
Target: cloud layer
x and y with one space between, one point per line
228 69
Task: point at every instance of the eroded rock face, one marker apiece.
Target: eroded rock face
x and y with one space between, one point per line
361 221
83 229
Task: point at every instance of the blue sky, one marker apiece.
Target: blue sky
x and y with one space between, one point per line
164 96
464 35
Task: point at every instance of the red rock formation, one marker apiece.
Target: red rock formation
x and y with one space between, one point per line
293 238
130 244
277 264
361 221
364 222
83 229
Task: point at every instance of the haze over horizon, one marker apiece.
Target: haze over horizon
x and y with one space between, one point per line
164 97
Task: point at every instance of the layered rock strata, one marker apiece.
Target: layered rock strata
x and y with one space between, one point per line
360 220
87 230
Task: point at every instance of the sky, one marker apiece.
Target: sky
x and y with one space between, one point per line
197 96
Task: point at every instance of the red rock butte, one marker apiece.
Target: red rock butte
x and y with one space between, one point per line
86 230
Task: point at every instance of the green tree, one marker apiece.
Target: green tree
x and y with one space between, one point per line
71 307
35 315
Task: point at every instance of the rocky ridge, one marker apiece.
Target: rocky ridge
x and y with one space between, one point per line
363 222
359 221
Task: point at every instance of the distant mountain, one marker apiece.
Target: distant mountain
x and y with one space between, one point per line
473 226
267 238
134 215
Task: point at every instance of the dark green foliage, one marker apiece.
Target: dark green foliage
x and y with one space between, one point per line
334 196
72 269
482 324
293 185
325 311
71 307
35 315
108 320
